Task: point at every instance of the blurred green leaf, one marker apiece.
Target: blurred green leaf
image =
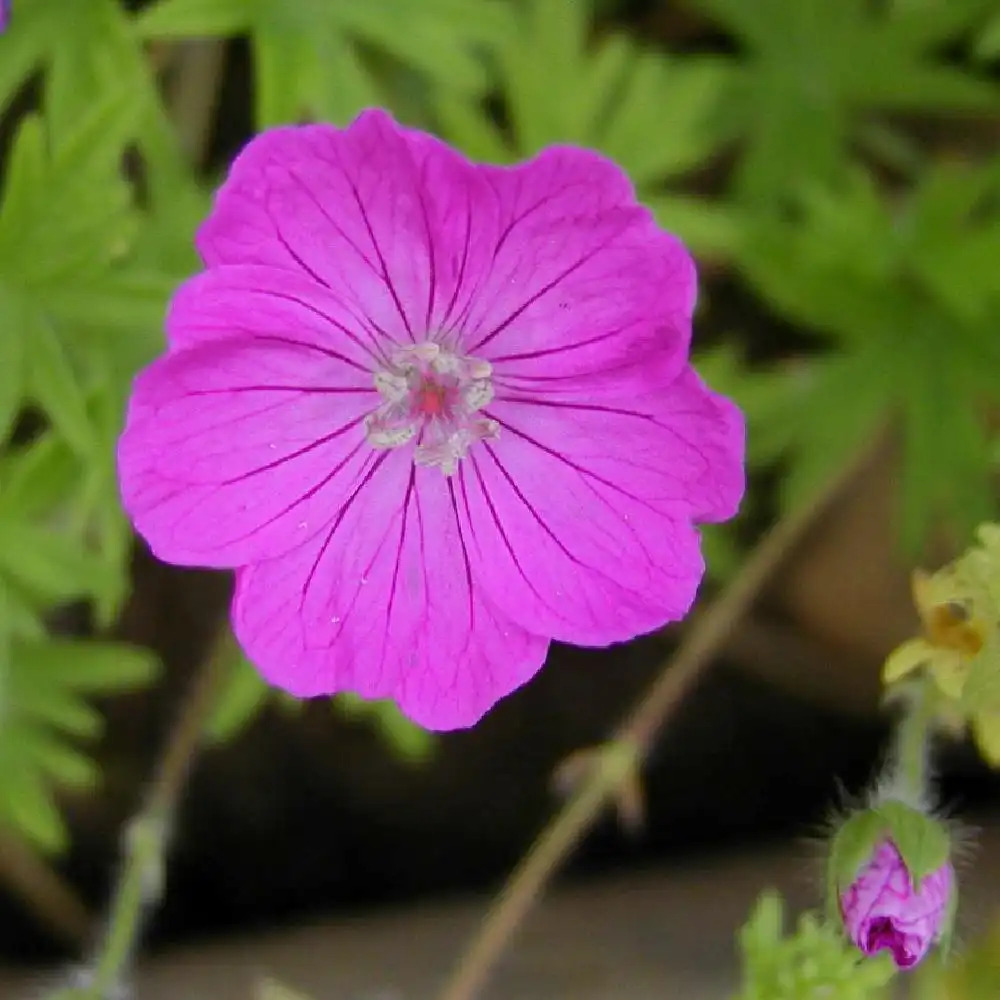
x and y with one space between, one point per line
187 18
90 54
127 301
12 371
51 565
307 56
654 115
711 229
49 553
94 54
722 552
26 803
90 61
56 387
946 469
44 687
813 963
949 236
66 221
972 974
66 212
66 224
36 477
23 616
878 283
409 741
765 926
768 397
21 51
166 240
89 665
244 693
814 68
988 43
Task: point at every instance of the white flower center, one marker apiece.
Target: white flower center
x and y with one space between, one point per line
434 396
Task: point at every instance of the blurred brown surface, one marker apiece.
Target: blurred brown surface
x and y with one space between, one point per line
659 934
846 587
847 583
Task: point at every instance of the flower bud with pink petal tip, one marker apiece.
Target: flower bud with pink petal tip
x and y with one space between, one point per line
892 883
882 909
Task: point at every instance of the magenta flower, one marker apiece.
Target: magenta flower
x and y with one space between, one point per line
881 909
434 414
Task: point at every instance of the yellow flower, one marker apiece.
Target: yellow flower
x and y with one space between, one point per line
959 608
986 732
954 632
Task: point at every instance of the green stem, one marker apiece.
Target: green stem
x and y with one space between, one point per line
141 881
137 892
912 736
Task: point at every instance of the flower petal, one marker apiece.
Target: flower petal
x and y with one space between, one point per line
393 222
882 909
910 656
238 450
383 603
549 267
580 515
582 278
254 301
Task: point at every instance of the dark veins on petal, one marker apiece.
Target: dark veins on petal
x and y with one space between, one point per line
546 528
587 474
375 350
373 463
501 530
544 290
311 492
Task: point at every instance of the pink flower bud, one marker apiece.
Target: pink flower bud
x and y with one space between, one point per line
882 909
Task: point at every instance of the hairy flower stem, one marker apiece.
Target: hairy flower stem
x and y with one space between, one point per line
617 762
912 741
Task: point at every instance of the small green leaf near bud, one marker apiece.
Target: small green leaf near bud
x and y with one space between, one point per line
852 846
922 841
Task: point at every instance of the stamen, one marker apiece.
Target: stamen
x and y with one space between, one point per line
434 395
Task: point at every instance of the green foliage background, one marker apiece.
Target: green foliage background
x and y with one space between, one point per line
836 159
